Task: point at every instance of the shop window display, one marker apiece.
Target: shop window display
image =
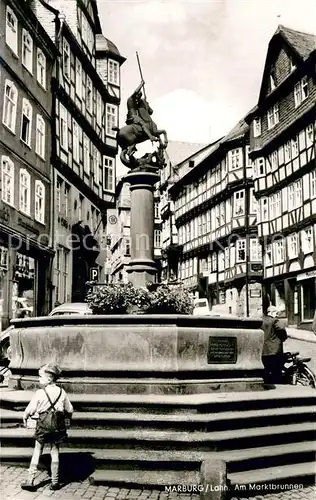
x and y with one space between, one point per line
23 287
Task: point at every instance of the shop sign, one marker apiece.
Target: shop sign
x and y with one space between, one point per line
24 267
306 276
3 258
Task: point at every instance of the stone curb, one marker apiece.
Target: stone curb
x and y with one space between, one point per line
302 335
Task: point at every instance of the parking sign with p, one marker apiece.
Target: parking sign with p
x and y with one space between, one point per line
94 274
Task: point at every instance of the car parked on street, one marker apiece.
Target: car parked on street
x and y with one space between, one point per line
71 308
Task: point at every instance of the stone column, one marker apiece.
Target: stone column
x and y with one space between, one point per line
142 267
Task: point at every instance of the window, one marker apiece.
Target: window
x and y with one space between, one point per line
259 170
278 251
113 72
293 246
274 160
78 79
214 262
108 173
235 159
300 91
268 255
294 147
221 261
264 210
313 184
9 105
240 250
86 154
255 250
273 116
292 64
257 127
80 208
26 123
63 122
66 59
41 68
25 192
27 51
272 79
66 199
89 96
253 202
157 238
111 119
309 135
95 159
40 136
58 194
307 240
127 247
11 30
76 141
287 151
239 203
156 210
7 180
99 109
39 202
226 254
275 205
65 274
295 195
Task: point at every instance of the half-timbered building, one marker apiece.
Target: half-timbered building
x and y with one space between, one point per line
26 246
177 159
215 214
86 108
282 139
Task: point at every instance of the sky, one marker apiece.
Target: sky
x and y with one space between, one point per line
202 61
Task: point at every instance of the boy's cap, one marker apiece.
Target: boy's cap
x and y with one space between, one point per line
52 369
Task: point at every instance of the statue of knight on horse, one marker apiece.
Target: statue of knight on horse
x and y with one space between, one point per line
139 127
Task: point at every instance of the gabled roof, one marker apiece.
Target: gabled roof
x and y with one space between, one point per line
237 132
303 43
299 43
178 151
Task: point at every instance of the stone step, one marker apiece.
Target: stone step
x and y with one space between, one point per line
144 439
132 478
236 419
293 473
132 456
282 396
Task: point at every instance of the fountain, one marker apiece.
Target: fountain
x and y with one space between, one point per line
140 354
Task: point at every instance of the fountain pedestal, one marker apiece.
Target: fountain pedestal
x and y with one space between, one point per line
142 268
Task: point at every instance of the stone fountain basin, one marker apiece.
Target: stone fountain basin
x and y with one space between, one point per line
140 353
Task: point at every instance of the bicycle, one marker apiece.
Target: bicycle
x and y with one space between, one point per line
297 373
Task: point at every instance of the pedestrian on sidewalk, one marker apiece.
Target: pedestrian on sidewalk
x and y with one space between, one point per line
54 411
272 353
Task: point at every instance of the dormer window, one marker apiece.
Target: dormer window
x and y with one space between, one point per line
292 64
273 83
300 91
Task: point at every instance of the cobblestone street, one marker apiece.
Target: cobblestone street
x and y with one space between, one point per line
11 478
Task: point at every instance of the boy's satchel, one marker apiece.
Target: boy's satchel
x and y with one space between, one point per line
52 420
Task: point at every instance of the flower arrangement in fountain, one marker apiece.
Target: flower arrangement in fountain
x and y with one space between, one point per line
121 298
